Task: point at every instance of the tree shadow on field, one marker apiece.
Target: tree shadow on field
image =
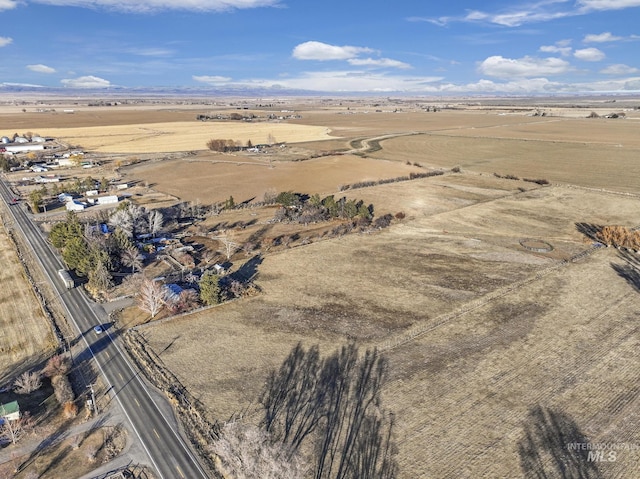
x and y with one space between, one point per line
248 271
590 230
550 447
630 270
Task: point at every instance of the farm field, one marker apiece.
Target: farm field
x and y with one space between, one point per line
215 178
178 136
492 343
538 332
591 165
25 335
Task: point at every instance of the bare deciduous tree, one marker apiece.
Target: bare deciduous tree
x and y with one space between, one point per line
247 452
132 258
156 220
27 382
13 431
122 221
230 247
57 365
152 297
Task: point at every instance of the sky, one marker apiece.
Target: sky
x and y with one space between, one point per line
455 47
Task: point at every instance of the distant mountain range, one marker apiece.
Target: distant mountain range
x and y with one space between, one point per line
31 92
116 91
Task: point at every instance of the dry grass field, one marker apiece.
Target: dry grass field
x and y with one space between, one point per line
214 178
541 332
25 335
179 136
479 330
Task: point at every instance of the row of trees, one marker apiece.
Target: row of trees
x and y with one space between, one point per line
322 418
302 209
224 146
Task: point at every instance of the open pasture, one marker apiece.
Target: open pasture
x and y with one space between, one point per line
591 153
543 332
211 177
567 343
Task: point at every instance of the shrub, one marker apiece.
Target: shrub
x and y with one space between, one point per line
57 365
62 389
383 221
539 181
400 215
70 409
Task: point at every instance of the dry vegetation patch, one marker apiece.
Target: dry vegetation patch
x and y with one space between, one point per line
25 336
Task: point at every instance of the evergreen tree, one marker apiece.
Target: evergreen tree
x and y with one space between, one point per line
210 290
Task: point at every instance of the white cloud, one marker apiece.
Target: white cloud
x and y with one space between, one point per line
151 52
41 68
501 67
211 80
8 4
350 81
324 51
564 51
378 62
600 38
147 6
533 12
541 11
88 81
619 69
589 55
608 4
4 41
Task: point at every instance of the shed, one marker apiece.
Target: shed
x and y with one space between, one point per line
75 206
107 200
219 269
10 411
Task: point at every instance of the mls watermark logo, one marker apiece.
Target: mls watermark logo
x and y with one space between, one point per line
600 456
603 452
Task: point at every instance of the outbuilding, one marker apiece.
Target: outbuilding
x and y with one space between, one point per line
75 206
10 411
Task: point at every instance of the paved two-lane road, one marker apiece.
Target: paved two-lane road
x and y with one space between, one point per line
167 450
